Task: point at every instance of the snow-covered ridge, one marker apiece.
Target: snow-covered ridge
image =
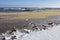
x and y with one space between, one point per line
51 33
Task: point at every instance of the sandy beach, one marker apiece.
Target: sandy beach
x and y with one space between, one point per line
11 19
30 15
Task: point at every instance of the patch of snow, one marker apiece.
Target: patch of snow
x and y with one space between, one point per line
52 34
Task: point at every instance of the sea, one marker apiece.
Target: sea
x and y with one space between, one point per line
25 9
18 9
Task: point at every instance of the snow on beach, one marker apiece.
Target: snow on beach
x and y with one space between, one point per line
52 34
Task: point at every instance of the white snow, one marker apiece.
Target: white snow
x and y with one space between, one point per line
52 34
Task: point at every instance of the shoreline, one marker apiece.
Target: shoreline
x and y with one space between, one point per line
33 15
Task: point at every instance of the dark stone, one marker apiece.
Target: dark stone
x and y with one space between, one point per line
50 23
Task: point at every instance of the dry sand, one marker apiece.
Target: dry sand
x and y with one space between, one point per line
30 15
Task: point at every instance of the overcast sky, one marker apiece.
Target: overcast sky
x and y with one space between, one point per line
30 3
